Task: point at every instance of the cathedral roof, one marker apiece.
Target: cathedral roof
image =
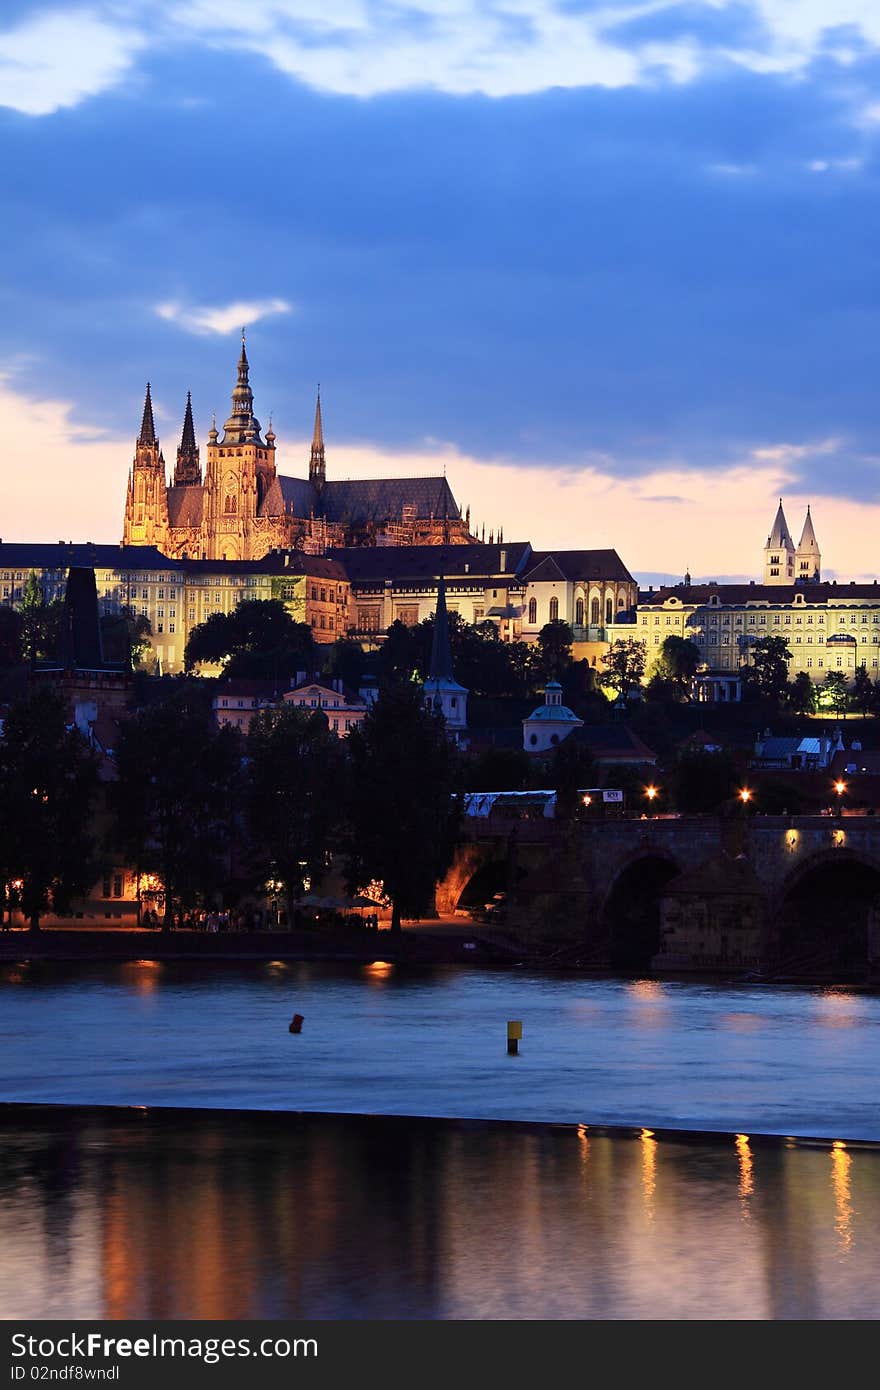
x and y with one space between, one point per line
185 505
273 501
384 499
577 565
300 496
377 563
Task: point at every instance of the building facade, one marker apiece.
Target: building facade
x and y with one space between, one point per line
176 595
242 508
827 626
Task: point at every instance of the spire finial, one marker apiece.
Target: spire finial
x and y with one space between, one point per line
148 428
317 463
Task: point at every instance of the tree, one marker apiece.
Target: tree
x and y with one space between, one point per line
554 649
48 785
624 664
404 801
293 795
40 621
835 693
768 673
499 770
258 639
10 636
862 689
173 799
572 768
678 663
701 782
802 694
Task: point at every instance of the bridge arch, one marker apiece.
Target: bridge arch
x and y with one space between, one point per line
629 917
826 911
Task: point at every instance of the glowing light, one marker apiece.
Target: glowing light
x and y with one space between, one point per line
792 837
649 1169
744 794
841 1162
746 1182
840 788
587 800
652 792
378 969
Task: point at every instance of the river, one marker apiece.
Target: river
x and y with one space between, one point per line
653 1185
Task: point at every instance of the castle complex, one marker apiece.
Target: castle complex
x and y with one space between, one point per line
243 508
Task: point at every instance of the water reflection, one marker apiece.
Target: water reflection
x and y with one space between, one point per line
171 1214
841 1163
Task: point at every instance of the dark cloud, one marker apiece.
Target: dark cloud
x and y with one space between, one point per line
537 279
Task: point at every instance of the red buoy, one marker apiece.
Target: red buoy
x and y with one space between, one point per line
296 1024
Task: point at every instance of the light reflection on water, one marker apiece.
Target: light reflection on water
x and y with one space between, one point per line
380 1039
204 1214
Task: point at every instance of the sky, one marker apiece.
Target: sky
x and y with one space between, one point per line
614 266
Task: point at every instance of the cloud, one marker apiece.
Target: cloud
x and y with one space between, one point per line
83 473
57 59
221 318
362 49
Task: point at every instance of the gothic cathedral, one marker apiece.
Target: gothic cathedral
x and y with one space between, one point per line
244 508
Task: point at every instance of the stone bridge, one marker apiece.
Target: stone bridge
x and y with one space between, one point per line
788 896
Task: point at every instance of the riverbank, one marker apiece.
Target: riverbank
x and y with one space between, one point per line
430 943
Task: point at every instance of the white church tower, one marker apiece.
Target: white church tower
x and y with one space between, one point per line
780 555
809 558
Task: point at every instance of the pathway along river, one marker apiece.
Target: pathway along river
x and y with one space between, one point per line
166 1212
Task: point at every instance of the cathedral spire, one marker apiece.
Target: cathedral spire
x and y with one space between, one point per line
242 427
317 465
809 558
148 429
187 470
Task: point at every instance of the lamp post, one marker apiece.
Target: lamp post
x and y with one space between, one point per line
840 791
651 793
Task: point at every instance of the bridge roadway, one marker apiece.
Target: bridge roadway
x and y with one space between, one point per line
746 891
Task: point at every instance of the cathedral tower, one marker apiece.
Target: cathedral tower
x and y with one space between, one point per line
146 501
779 552
240 470
317 466
809 558
187 472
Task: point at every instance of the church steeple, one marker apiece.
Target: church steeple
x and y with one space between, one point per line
442 693
242 427
809 557
779 552
441 650
148 429
187 471
317 465
146 501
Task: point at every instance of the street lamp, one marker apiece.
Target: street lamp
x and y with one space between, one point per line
840 789
651 793
744 795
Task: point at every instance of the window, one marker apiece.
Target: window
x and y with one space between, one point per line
145 593
368 619
554 609
609 610
117 885
323 595
594 612
533 610
170 627
809 661
579 612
